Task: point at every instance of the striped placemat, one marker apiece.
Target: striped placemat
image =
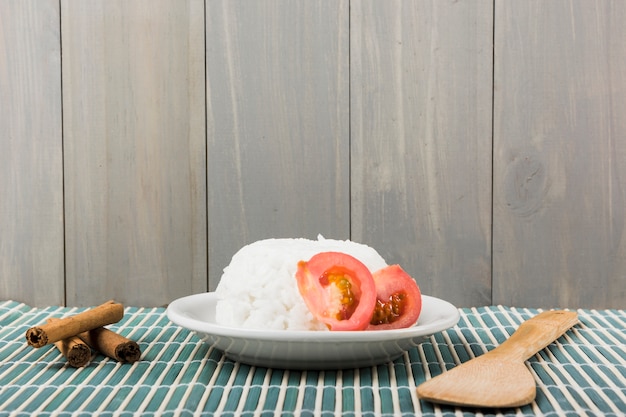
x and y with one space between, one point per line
583 373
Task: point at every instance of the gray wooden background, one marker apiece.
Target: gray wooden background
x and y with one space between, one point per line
480 144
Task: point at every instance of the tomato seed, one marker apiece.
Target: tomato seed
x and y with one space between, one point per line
389 311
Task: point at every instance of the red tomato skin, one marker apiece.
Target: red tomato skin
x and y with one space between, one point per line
392 280
309 277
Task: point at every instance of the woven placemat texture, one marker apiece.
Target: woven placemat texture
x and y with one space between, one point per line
582 373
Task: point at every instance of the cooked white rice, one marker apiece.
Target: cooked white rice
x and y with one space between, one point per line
258 289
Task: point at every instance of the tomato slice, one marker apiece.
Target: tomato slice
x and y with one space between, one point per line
338 290
398 299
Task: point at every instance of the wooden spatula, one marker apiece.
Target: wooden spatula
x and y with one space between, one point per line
499 378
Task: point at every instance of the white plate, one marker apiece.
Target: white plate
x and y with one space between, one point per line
293 349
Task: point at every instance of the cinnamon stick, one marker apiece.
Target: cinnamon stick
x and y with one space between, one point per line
75 351
107 313
112 344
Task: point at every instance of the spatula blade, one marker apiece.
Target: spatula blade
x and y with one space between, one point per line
482 383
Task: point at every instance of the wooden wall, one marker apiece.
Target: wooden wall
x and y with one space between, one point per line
560 153
480 144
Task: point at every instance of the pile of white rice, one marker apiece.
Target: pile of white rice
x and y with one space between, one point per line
258 289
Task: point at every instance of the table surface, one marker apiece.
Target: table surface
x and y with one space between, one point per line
582 373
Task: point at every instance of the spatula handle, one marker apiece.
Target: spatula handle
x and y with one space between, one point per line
536 333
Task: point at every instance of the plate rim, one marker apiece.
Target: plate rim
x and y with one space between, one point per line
445 320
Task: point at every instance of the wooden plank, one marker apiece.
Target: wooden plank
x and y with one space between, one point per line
559 154
278 132
31 161
133 105
421 141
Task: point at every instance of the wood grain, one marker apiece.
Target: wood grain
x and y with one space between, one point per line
134 127
559 154
31 160
145 142
278 131
420 86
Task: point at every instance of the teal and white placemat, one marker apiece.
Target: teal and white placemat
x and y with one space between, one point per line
583 373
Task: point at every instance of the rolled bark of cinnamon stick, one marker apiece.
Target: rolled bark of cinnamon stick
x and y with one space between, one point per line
107 313
76 352
111 344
